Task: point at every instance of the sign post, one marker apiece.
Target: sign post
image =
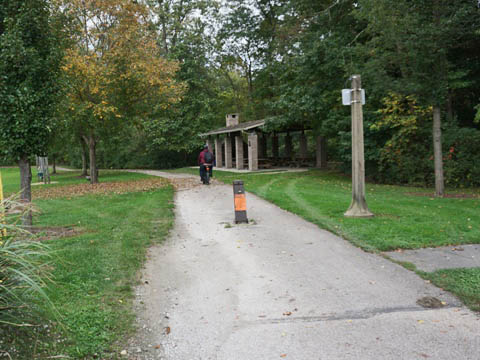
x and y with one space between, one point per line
358 206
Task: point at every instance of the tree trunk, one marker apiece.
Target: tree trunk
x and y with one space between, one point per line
437 152
54 165
26 190
93 159
84 158
450 114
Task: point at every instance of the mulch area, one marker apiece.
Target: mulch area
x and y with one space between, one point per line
110 188
43 233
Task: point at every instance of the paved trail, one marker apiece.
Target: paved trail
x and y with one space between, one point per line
281 288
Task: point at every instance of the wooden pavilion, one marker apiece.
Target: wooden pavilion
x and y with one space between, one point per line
230 147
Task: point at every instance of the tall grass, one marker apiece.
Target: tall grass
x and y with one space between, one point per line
24 268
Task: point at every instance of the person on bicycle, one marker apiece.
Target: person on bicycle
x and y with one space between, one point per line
205 157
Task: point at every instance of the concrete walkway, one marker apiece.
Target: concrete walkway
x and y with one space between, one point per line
447 257
281 288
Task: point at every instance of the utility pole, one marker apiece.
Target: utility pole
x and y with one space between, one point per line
358 207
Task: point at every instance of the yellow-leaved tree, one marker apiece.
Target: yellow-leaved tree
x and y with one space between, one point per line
113 71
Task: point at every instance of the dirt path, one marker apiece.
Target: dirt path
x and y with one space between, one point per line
281 288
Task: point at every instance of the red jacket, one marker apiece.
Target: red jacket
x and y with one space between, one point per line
201 157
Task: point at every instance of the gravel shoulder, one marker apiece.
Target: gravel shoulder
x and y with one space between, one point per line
280 287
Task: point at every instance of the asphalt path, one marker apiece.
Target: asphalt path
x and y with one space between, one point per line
281 288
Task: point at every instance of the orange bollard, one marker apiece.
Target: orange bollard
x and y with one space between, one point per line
240 202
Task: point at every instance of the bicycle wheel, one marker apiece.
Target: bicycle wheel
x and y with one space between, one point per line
207 177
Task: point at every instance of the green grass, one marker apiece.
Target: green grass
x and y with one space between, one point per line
11 178
94 272
465 283
401 220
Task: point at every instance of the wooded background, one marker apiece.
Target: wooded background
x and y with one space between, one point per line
130 84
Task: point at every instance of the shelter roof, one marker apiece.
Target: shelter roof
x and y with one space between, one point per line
240 127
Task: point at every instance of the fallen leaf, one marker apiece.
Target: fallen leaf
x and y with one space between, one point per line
167 330
287 313
157 346
118 187
283 355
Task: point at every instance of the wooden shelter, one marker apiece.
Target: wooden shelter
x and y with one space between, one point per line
246 145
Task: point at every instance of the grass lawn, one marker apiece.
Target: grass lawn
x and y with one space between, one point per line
465 283
95 271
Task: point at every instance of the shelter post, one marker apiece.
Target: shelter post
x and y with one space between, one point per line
228 152
218 152
239 151
253 151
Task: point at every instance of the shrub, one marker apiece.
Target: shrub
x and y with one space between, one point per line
406 155
461 164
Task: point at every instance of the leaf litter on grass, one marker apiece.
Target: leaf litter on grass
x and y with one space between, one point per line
110 188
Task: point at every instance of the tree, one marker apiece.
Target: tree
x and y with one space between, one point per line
251 38
185 31
29 68
114 72
412 44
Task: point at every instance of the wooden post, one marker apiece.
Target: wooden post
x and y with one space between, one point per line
228 152
218 152
358 207
239 151
253 151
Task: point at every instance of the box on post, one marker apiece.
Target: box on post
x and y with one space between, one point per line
240 202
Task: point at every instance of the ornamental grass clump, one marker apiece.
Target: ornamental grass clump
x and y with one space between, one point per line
24 269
